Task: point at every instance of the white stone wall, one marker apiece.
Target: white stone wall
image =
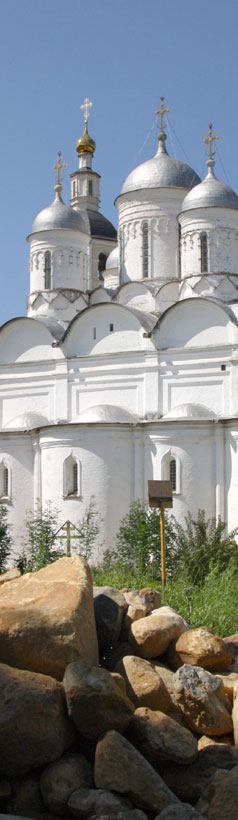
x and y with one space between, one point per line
69 260
221 226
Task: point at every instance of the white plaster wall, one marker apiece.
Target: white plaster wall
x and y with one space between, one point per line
69 255
221 226
17 453
160 209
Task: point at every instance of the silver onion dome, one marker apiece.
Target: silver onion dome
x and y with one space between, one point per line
59 217
162 171
113 259
211 193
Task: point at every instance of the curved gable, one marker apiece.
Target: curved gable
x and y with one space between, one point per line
104 328
25 340
195 323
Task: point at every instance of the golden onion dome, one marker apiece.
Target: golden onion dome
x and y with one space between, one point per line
85 143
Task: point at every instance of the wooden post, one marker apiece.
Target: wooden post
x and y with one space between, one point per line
163 571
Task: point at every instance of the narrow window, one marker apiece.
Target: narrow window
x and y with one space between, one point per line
90 187
111 328
75 479
145 250
47 270
179 251
101 265
204 254
5 481
172 473
94 333
74 188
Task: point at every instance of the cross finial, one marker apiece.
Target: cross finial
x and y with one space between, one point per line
59 166
210 139
161 112
86 105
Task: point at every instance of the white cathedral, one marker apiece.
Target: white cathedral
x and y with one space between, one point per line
126 367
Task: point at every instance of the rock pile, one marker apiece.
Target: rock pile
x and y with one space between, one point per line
147 728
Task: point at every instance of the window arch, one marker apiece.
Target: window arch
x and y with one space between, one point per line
5 482
145 250
47 270
101 265
71 477
171 470
204 252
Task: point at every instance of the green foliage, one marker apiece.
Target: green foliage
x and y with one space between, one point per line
138 541
201 544
5 539
40 548
88 530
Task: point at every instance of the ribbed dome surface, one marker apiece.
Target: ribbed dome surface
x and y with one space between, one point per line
211 193
58 216
162 171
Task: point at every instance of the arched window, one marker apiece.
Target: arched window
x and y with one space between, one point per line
145 250
4 481
172 473
74 188
47 270
204 254
71 477
90 187
101 265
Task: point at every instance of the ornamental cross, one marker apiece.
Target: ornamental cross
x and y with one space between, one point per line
59 166
86 105
161 112
209 139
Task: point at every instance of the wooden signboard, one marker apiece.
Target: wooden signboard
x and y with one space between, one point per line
160 492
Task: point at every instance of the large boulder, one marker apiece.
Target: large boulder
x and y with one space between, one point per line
158 737
61 778
200 647
47 618
219 798
26 796
85 803
95 701
10 575
144 685
121 768
151 636
201 698
184 812
34 726
138 607
109 608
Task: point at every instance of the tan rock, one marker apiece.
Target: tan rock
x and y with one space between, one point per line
166 674
220 753
85 803
235 718
201 698
95 701
144 685
151 636
138 607
219 798
60 779
34 726
152 596
119 680
10 575
230 683
121 768
200 647
158 737
47 618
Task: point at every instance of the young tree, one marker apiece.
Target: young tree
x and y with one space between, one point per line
138 542
40 548
5 539
88 530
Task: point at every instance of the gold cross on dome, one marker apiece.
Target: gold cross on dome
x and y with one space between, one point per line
210 139
86 105
161 112
59 166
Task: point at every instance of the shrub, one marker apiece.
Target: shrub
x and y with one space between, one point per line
40 548
5 539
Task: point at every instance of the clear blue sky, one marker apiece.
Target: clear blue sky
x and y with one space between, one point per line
122 54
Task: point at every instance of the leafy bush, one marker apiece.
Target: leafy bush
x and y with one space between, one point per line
88 530
201 544
5 539
138 543
40 548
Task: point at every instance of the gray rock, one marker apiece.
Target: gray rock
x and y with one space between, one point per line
26 796
84 803
60 779
109 608
184 812
95 701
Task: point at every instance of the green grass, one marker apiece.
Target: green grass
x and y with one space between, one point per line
213 604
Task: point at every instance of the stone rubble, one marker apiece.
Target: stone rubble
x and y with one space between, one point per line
110 705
